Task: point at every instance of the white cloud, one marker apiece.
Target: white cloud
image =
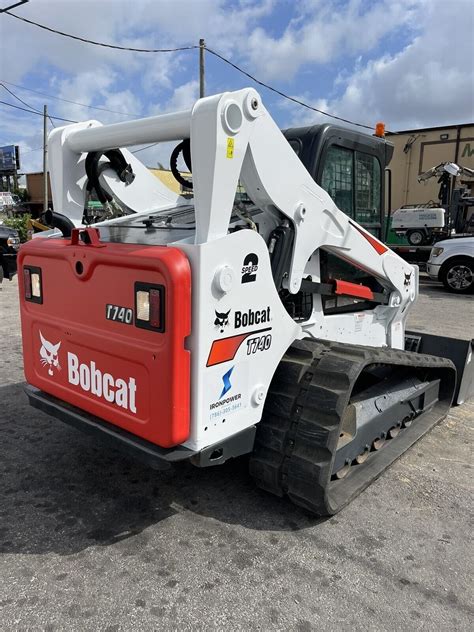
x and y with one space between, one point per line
139 24
96 75
429 82
96 88
325 31
184 96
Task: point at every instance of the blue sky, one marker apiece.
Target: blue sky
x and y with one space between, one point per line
406 62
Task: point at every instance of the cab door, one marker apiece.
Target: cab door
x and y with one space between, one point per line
353 179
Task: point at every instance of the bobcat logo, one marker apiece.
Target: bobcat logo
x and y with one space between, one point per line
222 320
49 354
406 283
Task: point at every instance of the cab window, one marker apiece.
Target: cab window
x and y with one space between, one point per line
367 190
338 178
353 180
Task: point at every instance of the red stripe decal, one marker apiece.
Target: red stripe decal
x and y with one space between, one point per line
225 349
352 289
375 243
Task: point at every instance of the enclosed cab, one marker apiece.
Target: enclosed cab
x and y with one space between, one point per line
350 166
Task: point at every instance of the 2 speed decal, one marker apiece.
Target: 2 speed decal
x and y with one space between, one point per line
250 268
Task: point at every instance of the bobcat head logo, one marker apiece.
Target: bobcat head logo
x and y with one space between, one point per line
222 320
406 283
49 354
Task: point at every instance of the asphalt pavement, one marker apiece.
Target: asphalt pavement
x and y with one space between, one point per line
90 540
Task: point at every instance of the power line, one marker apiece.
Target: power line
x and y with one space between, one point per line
88 41
143 148
25 103
18 98
84 105
282 94
13 6
17 107
23 153
194 47
31 111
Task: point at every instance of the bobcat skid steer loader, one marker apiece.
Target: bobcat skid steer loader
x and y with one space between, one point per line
205 329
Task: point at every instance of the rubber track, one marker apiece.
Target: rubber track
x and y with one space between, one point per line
297 437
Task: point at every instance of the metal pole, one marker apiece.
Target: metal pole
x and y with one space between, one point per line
45 159
202 48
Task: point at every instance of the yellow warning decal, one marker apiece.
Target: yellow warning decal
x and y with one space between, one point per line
230 148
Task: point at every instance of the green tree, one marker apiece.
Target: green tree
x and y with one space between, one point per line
19 223
22 194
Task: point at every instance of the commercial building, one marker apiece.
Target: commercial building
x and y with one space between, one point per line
417 150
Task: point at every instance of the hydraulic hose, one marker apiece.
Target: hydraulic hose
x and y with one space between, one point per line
116 162
185 147
57 220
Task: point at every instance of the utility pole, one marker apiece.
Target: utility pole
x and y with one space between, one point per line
45 158
202 48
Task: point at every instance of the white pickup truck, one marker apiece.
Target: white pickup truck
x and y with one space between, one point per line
452 262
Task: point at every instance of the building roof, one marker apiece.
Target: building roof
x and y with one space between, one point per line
429 129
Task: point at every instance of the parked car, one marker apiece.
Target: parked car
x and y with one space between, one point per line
452 262
9 245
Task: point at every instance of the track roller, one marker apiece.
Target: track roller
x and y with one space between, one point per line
344 471
363 456
378 444
394 431
407 422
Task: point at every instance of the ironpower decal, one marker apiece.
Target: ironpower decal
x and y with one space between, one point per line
228 392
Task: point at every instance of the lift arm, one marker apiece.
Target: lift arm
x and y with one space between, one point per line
234 137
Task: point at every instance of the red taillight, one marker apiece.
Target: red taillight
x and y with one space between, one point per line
149 306
27 282
155 308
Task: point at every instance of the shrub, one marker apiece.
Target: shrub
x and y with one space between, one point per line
19 223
